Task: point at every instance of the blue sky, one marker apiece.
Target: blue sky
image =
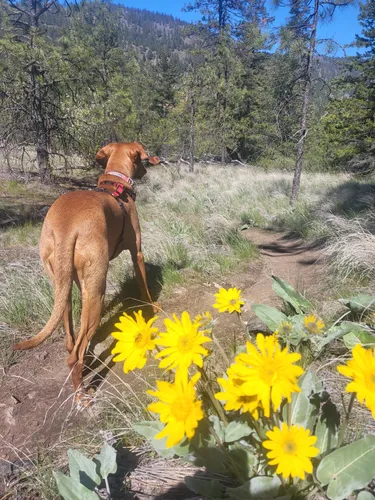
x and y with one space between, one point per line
343 28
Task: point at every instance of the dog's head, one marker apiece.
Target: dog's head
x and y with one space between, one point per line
129 158
141 160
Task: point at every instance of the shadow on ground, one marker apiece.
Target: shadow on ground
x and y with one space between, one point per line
352 198
20 214
126 300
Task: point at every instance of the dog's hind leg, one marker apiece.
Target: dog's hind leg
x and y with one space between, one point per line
93 289
68 325
68 319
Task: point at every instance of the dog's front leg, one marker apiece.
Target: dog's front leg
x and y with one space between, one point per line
140 273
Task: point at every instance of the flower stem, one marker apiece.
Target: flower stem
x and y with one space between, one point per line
346 421
222 352
243 325
215 403
312 492
289 413
107 487
258 429
274 419
231 461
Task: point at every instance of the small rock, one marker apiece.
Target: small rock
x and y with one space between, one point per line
31 395
41 356
15 400
8 416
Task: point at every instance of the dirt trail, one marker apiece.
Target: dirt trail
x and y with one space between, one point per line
36 396
293 260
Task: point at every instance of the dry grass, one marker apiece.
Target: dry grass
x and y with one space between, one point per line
351 249
190 230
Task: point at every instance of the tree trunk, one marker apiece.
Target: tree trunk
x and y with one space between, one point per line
305 107
41 138
192 130
44 166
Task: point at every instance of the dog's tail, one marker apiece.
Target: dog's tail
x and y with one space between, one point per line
63 281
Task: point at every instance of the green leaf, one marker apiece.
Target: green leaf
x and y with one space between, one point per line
364 338
303 410
327 436
349 468
149 429
243 454
212 458
235 431
365 495
210 489
71 489
83 469
107 460
359 303
290 295
336 332
271 316
218 426
261 487
298 332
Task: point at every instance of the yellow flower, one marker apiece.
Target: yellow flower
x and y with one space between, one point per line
228 300
236 398
183 342
268 371
204 319
285 328
313 324
135 338
362 370
178 408
291 450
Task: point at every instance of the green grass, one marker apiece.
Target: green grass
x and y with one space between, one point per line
171 278
26 235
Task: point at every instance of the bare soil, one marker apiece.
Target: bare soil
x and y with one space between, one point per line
36 400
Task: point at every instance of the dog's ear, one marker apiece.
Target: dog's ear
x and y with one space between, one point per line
154 160
141 151
103 155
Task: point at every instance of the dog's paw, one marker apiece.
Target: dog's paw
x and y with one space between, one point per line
83 400
156 307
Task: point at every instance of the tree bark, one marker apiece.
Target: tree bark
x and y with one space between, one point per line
192 130
305 107
41 131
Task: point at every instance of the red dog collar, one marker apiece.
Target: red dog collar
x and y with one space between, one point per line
125 178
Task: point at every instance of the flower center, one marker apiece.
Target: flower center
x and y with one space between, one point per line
141 340
312 327
185 343
269 375
289 447
237 382
181 408
285 328
371 381
246 399
233 302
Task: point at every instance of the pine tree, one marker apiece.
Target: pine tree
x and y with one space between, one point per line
305 16
32 82
349 123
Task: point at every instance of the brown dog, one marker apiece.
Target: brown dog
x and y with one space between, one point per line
82 232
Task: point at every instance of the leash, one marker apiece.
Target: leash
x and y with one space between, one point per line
120 190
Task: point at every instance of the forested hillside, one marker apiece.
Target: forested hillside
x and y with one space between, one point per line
74 77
